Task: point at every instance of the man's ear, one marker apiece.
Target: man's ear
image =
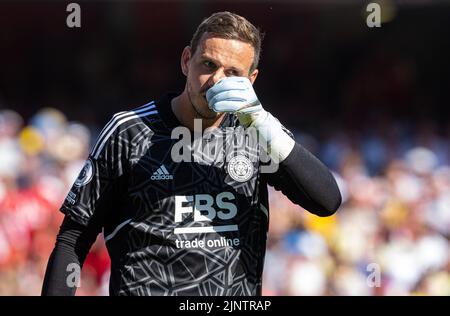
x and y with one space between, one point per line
185 59
253 76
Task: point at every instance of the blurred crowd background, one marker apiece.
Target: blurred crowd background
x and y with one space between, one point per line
372 104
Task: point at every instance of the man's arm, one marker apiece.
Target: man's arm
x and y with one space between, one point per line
301 176
307 182
72 246
96 191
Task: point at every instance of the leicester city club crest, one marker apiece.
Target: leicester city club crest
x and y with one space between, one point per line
240 168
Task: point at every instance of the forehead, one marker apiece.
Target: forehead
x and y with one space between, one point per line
228 52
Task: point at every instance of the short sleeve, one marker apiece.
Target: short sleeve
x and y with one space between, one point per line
92 191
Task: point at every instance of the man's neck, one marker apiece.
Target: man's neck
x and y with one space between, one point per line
185 113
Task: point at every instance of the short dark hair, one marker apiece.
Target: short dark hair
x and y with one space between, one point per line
230 26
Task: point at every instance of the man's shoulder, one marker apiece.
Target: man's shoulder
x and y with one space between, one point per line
124 126
134 120
129 117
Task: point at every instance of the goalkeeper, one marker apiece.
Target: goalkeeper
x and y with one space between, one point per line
182 220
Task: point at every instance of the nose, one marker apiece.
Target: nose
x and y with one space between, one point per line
216 76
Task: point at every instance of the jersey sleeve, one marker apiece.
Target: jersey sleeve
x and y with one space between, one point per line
93 190
306 181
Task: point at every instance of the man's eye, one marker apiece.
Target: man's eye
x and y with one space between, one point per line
209 64
232 73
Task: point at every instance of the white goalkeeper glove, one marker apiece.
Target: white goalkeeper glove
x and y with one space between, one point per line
236 95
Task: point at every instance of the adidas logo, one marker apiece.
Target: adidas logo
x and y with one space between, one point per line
161 174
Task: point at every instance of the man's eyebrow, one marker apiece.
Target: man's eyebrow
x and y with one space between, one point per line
209 58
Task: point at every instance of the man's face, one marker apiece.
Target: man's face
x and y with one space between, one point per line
214 59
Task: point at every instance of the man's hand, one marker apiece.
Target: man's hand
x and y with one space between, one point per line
233 94
236 95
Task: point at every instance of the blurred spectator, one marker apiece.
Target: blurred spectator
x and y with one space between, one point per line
38 164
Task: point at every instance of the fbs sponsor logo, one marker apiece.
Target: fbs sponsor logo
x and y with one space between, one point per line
204 208
161 174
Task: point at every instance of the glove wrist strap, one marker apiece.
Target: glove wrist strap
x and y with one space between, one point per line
272 137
